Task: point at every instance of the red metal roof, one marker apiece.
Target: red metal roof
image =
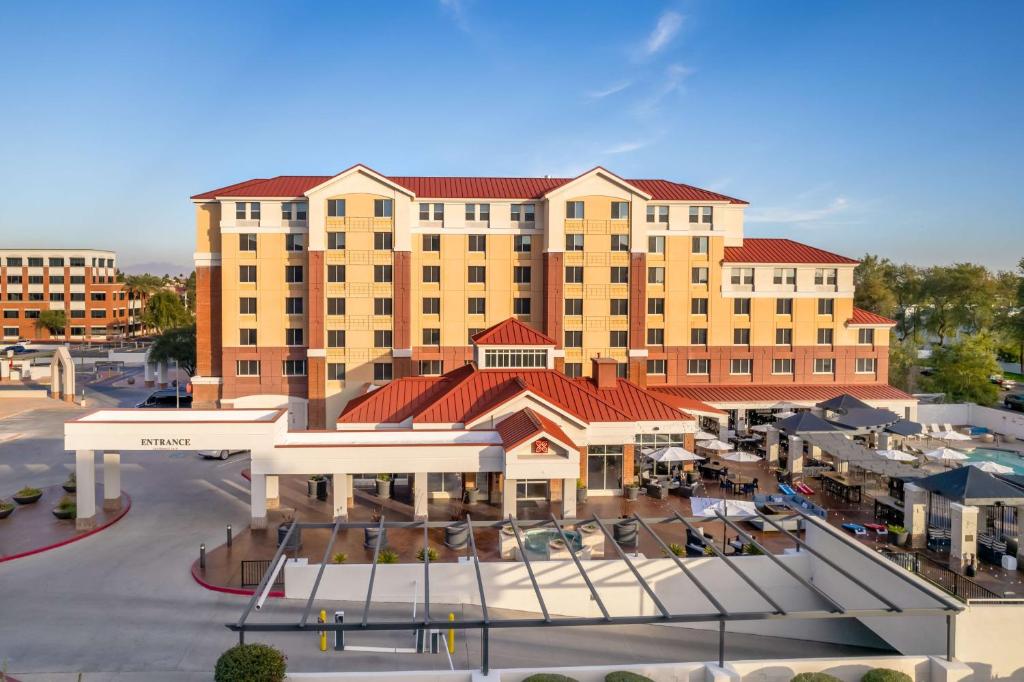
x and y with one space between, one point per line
763 250
781 393
686 404
456 187
526 424
640 404
512 332
869 319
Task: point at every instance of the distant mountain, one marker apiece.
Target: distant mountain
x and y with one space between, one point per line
157 268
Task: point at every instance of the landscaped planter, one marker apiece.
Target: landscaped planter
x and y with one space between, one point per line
473 495
70 487
624 532
383 488
63 513
632 492
28 499
581 495
456 536
6 511
370 537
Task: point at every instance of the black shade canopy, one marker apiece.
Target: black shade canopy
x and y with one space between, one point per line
904 427
972 486
865 417
844 402
805 422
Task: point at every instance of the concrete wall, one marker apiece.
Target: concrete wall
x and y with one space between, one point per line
961 414
988 638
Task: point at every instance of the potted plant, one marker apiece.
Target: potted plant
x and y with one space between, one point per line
624 532
897 535
384 485
751 549
295 541
456 535
387 556
709 550
431 553
339 557
370 533
28 495
581 491
6 509
473 495
632 489
66 508
317 485
71 485
676 549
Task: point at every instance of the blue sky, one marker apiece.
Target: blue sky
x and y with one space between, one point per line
887 127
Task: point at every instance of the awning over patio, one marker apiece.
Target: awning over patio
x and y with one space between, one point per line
805 422
971 486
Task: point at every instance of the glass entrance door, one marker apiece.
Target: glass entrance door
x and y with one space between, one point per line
531 489
604 467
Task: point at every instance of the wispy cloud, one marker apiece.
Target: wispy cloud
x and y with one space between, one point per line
800 214
672 81
626 147
609 91
456 9
664 31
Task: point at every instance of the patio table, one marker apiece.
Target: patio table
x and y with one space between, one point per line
841 486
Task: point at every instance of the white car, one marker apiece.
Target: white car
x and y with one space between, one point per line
221 454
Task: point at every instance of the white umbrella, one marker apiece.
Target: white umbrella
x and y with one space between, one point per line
946 454
761 428
785 414
716 445
897 455
704 435
950 435
708 506
674 453
742 457
991 467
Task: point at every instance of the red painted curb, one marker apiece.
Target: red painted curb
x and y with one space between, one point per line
247 474
39 550
228 590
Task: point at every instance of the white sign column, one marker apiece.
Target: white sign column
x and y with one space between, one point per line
419 495
258 500
568 498
340 492
85 491
111 481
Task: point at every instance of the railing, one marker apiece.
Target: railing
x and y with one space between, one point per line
948 580
252 572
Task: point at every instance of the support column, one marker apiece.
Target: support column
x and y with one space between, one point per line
568 498
350 490
915 514
111 481
508 498
161 374
814 452
494 488
963 530
147 373
628 464
771 446
340 493
1020 537
258 501
741 420
795 463
419 495
882 440
273 493
85 492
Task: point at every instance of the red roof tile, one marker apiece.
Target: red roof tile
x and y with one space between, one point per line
780 393
400 399
686 404
869 319
640 404
761 250
525 424
512 332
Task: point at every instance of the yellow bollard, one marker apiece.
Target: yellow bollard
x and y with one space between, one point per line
323 633
451 633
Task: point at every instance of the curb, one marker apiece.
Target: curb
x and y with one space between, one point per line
40 550
227 590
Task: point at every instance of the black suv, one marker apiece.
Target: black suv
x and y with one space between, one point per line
1014 402
167 397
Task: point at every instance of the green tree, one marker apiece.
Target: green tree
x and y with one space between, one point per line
963 368
176 344
958 298
164 310
902 361
190 291
1010 316
53 321
907 287
873 281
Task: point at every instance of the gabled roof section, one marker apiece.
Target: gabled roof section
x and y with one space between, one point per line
512 332
525 425
639 404
400 399
764 250
366 170
222 191
607 175
865 318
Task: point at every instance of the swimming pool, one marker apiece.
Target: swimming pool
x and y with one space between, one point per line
1003 457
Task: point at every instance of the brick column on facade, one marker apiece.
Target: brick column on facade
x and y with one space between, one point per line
316 362
554 301
402 315
208 334
638 318
583 465
628 463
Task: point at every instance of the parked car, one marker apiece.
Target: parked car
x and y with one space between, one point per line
1002 382
1014 402
18 349
221 454
167 397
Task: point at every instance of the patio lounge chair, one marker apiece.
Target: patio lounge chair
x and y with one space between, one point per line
804 488
877 527
786 490
948 427
657 491
684 491
855 528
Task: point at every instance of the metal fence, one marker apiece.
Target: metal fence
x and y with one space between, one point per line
943 577
252 572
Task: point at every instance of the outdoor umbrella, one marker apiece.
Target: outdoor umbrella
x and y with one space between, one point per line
897 455
991 467
785 414
716 445
708 506
674 453
946 454
950 435
761 428
741 457
704 435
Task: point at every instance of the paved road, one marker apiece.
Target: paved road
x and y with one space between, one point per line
122 605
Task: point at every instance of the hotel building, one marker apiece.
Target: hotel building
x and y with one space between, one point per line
81 282
311 289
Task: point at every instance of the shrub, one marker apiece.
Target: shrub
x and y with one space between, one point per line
4 506
815 677
625 676
885 675
387 556
581 484
431 552
250 663
752 549
67 504
896 530
318 477
339 558
28 492
549 677
383 477
709 550
676 549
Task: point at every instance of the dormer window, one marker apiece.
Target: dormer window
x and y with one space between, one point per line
515 358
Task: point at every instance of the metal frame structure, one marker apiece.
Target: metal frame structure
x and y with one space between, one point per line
831 610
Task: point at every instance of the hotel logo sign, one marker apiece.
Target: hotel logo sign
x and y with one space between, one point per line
165 443
541 446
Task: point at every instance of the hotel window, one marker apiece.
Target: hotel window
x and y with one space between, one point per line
620 242
521 306
701 366
698 306
293 210
783 337
10 314
431 336
32 314
382 208
698 336
336 208
247 368
246 242
656 336
382 338
866 337
35 296
574 274
382 371
782 366
656 275
432 243
431 274
622 370
620 275
741 306
335 371
430 367
247 305
293 368
293 274
54 279
574 369
383 306
16 295
56 296
523 213
431 305
701 214
740 365
574 210
98 314
574 242
293 336
784 276
471 332
335 273
523 243
741 336
741 276
655 306
335 306
336 241
80 279
522 274
655 245
77 262
382 241
478 243
826 306
477 306
574 339
382 273
15 331
515 358
478 212
294 242
656 367
335 338
825 276
574 306
247 274
80 296
239 210
824 365
783 306
15 262
865 366
657 214
433 212
699 276
292 305
824 337
699 245
254 210
619 306
620 210
476 274
246 337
